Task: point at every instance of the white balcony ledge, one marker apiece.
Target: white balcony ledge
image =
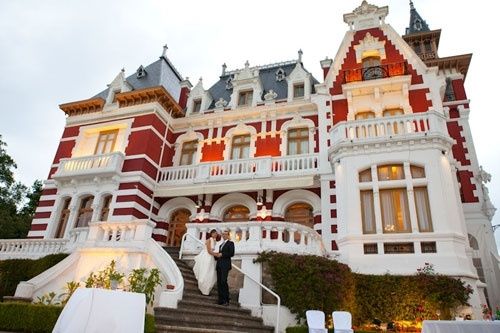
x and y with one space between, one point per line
90 166
214 177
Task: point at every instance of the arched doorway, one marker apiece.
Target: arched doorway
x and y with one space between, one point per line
300 213
177 226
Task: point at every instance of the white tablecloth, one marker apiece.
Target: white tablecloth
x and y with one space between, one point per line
98 310
466 326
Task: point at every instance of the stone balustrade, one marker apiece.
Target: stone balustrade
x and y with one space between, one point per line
93 165
30 248
251 238
253 168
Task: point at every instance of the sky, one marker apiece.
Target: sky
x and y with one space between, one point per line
58 51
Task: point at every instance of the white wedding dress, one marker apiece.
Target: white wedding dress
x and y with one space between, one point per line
204 269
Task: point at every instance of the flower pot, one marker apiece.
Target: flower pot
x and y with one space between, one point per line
114 284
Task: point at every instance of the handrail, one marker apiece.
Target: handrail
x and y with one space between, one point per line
276 327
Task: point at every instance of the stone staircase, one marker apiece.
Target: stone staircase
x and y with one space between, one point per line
202 314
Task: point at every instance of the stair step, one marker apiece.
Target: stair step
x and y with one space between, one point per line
207 313
195 304
210 323
191 295
179 329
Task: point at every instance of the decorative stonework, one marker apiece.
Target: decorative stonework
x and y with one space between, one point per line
483 178
221 103
369 45
270 96
366 16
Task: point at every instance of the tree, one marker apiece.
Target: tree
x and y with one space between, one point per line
17 202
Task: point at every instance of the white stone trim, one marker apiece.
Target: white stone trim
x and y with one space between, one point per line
232 199
172 205
295 196
297 122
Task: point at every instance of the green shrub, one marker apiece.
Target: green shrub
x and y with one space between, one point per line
311 282
39 318
13 271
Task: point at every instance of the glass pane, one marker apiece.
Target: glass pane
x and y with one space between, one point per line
292 148
423 209
364 115
365 176
304 147
390 172
367 212
417 172
395 211
237 214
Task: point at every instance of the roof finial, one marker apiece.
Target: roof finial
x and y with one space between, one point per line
223 69
123 69
165 48
247 64
300 55
411 5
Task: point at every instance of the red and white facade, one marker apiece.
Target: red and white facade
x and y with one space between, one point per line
377 159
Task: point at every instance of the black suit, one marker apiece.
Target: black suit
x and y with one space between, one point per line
223 267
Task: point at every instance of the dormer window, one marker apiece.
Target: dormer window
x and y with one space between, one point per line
141 72
196 106
298 90
229 83
245 98
280 75
417 24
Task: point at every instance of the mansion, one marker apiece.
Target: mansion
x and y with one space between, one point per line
373 163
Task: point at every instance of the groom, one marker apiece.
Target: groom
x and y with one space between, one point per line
226 251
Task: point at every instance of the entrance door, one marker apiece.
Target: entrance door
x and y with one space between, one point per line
177 227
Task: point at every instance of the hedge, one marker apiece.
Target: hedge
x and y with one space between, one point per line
312 282
37 318
13 271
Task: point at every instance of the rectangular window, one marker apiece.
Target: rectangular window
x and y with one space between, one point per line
196 106
188 152
395 211
367 212
428 247
240 147
106 142
245 98
370 248
398 248
298 141
298 90
423 209
390 172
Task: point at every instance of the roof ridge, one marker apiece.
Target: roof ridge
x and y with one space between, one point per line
276 64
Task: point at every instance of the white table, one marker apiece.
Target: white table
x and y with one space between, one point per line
92 310
465 326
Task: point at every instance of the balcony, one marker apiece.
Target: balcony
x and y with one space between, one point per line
89 166
273 172
375 72
383 130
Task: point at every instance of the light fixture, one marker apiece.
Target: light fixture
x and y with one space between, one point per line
443 152
259 201
199 203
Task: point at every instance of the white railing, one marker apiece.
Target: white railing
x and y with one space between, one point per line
404 126
30 248
278 298
90 165
261 167
119 233
255 237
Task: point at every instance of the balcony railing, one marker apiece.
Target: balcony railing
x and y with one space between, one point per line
30 248
241 169
375 72
90 165
255 237
405 126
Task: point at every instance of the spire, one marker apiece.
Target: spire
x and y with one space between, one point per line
417 24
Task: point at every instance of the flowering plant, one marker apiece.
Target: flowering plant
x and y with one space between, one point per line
497 313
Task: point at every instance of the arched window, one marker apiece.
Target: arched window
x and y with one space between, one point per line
301 213
473 242
188 153
238 213
63 218
177 226
372 69
85 212
106 202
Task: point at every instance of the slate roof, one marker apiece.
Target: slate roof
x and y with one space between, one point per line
267 76
152 78
417 24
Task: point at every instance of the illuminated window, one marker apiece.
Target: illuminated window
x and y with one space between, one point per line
85 212
245 98
393 112
106 202
365 176
188 153
364 115
298 141
298 90
177 227
240 147
300 213
237 213
196 106
390 172
368 212
372 69
423 209
395 210
106 142
63 219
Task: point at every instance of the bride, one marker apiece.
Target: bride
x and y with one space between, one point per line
204 265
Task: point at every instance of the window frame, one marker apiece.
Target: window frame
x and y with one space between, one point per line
196 106
240 145
296 88
299 140
103 137
245 95
190 152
